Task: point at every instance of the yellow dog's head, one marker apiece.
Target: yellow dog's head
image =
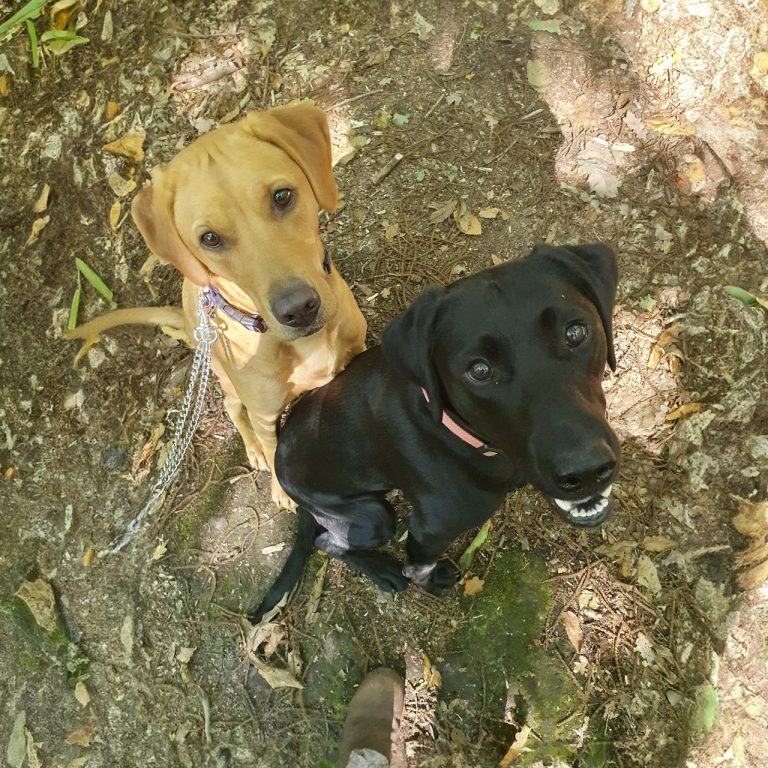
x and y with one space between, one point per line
238 209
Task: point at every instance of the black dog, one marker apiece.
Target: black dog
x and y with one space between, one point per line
477 388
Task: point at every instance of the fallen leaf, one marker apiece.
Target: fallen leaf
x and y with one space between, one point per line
392 231
42 200
160 551
130 145
112 110
273 548
120 186
184 655
87 557
400 120
517 748
114 215
670 125
5 85
431 674
378 56
545 25
657 544
81 694
538 75
62 11
473 586
600 179
745 297
38 225
421 27
126 635
82 737
442 211
33 759
317 590
573 629
467 222
647 576
489 213
705 709
143 456
458 269
752 519
275 678
39 598
684 410
495 260
645 648
665 340
548 6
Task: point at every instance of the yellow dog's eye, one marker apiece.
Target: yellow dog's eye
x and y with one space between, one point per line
283 197
210 239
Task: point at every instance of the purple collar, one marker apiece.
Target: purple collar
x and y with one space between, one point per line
253 323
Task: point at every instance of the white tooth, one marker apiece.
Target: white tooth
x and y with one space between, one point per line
606 492
565 505
601 505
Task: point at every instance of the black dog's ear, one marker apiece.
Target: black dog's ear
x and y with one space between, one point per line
407 345
597 275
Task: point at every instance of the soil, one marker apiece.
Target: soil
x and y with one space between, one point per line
640 125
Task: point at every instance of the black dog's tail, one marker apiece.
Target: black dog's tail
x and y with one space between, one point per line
303 547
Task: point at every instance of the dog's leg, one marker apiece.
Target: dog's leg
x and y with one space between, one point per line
351 535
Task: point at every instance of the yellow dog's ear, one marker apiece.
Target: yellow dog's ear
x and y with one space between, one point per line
301 131
152 210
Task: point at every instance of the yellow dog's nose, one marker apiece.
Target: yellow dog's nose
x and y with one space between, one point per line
297 306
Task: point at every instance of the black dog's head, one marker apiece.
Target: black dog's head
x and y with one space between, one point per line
518 352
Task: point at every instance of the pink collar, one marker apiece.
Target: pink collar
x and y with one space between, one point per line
452 426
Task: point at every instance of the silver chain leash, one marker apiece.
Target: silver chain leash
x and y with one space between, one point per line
205 335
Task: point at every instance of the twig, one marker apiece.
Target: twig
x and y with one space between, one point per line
388 168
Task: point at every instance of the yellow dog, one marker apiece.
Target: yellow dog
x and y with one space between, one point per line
237 212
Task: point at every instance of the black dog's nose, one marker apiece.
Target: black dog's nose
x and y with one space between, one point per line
588 472
296 307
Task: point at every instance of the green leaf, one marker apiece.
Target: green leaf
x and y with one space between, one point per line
465 561
745 297
29 11
421 174
547 25
94 279
73 310
59 42
400 120
33 44
647 303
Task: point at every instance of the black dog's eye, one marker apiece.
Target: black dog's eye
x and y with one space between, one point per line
479 370
575 334
210 239
283 197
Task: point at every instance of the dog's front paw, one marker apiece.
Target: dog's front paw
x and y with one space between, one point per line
443 577
387 574
256 457
280 497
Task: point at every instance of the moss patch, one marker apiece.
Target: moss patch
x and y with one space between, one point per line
497 663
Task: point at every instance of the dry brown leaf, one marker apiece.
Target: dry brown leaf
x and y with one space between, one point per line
112 110
666 339
130 145
120 186
670 125
392 231
142 458
466 221
38 595
114 215
752 519
657 544
473 586
684 410
317 590
431 674
160 551
64 10
754 577
42 200
87 557
184 655
442 211
495 260
275 678
81 694
38 225
82 736
517 748
489 213
647 575
5 85
573 629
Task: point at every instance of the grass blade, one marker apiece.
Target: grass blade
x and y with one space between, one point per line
98 284
745 297
465 561
29 11
33 44
73 310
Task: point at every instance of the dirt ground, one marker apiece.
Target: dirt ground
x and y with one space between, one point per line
640 124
